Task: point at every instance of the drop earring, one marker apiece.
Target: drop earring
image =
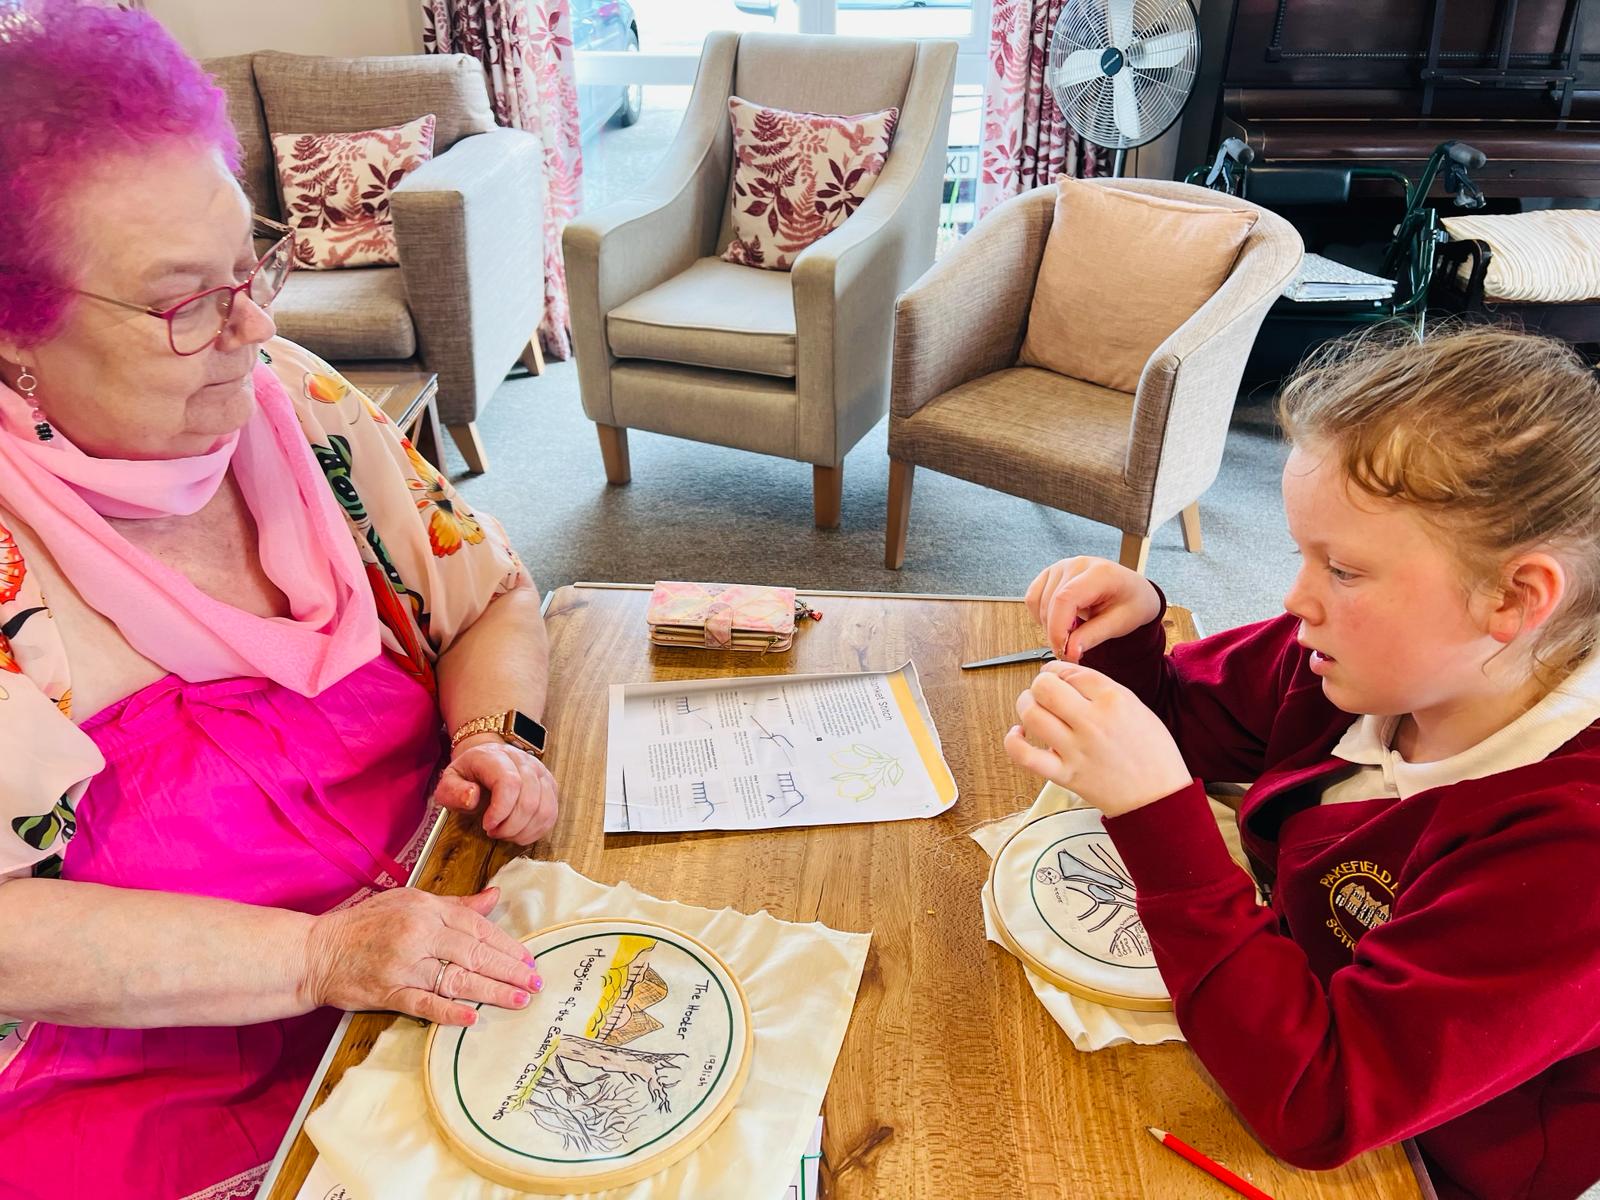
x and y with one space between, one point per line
27 384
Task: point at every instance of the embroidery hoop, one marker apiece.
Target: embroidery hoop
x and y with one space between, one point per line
451 1112
1028 935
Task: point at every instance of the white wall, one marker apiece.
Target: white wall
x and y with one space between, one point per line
209 28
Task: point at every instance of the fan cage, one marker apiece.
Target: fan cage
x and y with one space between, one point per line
1160 93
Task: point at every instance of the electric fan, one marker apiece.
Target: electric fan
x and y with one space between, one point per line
1122 70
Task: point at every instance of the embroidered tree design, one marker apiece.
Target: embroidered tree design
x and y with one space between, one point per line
590 1095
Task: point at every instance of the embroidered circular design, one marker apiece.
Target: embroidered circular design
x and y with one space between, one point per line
631 1056
1360 898
1065 905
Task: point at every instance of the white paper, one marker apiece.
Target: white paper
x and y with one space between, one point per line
804 1186
772 751
1324 279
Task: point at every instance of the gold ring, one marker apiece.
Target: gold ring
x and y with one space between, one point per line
438 980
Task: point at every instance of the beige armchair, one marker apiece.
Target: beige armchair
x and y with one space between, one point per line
962 406
469 291
795 364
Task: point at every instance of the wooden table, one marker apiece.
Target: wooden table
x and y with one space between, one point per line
953 1080
407 392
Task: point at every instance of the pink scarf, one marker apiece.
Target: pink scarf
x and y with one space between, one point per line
305 546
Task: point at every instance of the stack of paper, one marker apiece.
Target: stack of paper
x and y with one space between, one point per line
771 751
1323 279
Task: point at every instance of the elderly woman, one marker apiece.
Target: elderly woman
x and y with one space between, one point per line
238 617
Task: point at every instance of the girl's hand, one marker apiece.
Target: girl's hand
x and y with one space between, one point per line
1082 602
522 802
386 953
1088 733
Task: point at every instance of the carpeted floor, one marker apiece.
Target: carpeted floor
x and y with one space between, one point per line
704 512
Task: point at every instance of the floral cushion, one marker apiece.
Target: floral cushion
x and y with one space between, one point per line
336 189
797 176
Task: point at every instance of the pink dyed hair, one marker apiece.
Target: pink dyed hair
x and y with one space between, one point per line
78 83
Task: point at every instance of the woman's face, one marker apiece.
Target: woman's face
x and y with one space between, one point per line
149 230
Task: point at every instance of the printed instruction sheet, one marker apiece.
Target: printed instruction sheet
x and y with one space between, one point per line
770 751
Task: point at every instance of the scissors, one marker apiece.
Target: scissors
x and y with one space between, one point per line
1042 654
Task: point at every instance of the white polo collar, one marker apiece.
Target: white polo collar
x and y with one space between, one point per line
1565 712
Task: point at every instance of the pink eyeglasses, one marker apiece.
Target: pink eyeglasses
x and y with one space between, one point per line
196 322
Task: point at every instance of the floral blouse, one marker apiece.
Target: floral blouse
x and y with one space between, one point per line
433 566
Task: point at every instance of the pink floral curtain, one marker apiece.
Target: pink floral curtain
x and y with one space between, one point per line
526 48
1026 141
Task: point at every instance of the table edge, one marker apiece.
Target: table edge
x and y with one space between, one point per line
297 1123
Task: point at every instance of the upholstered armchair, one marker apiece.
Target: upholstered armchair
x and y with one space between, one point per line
469 291
962 406
795 363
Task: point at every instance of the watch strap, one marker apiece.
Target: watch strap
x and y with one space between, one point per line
502 724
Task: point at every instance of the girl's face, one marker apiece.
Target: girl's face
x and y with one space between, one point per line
1385 607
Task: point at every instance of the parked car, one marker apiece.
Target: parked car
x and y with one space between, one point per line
606 25
769 8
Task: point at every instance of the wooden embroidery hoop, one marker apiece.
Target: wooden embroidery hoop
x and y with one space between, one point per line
627 1173
1049 974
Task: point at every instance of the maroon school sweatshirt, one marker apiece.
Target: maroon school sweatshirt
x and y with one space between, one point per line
1428 967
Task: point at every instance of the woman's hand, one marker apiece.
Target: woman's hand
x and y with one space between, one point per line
522 792
1088 733
1082 602
386 954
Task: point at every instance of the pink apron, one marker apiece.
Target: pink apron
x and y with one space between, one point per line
244 790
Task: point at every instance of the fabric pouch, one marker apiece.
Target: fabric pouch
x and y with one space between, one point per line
719 616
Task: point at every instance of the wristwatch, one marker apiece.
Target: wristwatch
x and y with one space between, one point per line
516 729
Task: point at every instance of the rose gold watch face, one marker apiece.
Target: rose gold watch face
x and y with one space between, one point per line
525 732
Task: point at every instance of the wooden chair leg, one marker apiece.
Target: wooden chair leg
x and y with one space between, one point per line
1190 517
614 452
471 446
1135 552
532 356
894 545
827 487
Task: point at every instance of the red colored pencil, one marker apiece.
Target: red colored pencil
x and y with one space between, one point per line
1215 1169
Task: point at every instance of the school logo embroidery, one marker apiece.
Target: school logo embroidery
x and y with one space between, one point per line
1360 897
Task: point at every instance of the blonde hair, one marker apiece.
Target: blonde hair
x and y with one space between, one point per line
1494 434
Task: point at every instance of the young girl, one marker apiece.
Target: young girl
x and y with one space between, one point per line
1420 730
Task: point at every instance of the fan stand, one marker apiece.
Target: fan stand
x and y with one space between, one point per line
1118 157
